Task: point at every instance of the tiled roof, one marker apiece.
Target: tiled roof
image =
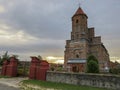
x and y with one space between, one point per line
71 61
79 12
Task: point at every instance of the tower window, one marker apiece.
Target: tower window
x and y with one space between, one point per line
77 21
77 56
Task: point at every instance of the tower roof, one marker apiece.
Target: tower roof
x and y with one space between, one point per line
79 12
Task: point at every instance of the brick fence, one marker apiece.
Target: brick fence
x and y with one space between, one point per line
38 69
94 80
9 68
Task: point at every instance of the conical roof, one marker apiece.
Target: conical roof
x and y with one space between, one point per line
79 12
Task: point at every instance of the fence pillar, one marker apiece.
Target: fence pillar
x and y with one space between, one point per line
41 70
12 67
4 67
34 63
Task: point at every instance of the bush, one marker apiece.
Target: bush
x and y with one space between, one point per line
92 65
115 70
23 71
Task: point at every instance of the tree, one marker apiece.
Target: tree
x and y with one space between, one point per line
4 57
39 57
0 60
91 57
16 56
92 65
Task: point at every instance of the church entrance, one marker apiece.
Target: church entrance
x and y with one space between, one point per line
75 69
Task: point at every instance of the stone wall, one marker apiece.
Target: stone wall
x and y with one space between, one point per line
95 80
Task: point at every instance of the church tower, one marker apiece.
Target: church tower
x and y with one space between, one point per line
79 25
77 47
83 43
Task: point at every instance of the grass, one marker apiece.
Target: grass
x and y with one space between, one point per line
59 86
4 76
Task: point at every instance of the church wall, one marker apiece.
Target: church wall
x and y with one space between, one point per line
100 53
96 40
91 32
78 67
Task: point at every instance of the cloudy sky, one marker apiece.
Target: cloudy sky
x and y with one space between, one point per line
40 27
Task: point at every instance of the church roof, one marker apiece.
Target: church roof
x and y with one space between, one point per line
73 61
79 12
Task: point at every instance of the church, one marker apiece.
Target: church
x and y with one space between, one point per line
83 43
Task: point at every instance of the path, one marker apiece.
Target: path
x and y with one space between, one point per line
11 82
5 87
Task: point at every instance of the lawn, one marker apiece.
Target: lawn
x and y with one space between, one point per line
4 76
58 86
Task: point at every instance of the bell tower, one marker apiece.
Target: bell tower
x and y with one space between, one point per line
77 47
79 26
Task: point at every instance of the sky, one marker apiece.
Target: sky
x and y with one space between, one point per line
41 27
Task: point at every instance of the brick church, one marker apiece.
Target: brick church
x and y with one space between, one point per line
83 43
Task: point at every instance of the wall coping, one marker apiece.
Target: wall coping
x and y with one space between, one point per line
90 74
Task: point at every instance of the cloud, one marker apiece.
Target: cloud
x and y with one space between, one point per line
2 9
13 37
39 18
42 26
114 59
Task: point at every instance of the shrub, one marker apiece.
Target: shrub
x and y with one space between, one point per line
92 65
115 70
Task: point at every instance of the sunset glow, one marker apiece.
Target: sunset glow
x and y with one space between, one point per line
57 60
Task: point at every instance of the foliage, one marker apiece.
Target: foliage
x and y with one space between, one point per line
114 70
56 67
92 65
23 71
16 56
91 57
59 69
4 76
57 86
4 57
1 61
39 57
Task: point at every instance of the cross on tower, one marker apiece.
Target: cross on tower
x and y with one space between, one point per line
79 4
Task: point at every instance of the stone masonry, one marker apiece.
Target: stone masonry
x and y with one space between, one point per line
94 80
83 43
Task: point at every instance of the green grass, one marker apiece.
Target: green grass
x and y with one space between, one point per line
59 86
4 76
